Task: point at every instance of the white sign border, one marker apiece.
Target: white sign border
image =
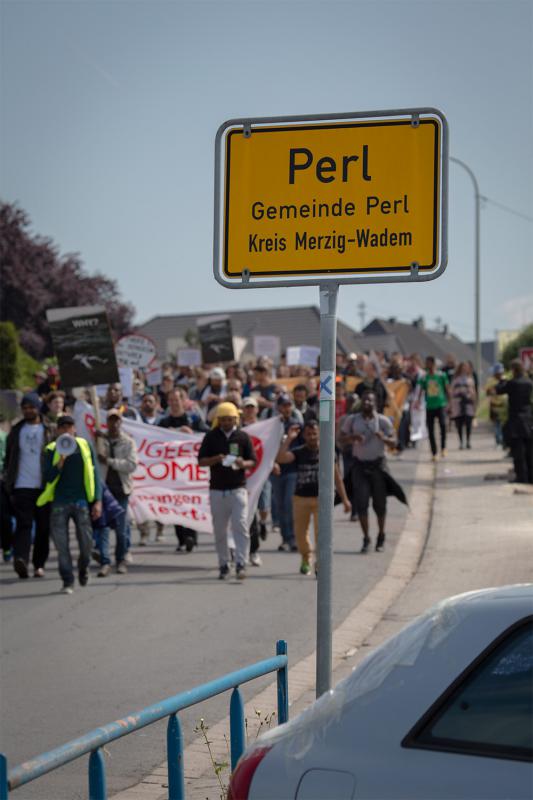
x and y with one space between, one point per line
246 281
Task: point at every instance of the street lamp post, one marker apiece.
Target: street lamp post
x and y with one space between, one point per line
477 269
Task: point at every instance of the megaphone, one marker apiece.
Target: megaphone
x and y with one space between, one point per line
66 444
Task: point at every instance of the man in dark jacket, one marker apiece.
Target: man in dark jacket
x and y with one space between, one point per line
23 478
518 430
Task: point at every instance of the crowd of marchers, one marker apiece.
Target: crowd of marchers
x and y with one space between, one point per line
382 406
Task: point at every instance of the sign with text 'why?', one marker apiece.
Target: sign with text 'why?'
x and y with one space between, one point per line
83 345
348 198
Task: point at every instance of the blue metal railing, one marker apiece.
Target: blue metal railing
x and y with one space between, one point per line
93 741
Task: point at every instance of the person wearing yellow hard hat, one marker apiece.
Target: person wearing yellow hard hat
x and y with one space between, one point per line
228 452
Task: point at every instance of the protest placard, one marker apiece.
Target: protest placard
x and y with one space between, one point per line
135 350
189 357
216 339
303 355
269 346
125 375
154 374
83 345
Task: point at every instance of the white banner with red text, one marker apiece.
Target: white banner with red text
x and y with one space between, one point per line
169 485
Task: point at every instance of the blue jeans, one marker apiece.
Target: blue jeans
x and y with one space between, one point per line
498 432
59 519
283 487
120 526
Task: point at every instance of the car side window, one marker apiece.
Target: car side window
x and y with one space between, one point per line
490 711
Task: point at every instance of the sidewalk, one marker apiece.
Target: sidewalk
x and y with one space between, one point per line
467 529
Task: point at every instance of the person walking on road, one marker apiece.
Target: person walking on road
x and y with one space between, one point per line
179 419
74 490
228 452
369 432
284 483
305 499
436 388
463 402
518 430
119 462
497 403
22 481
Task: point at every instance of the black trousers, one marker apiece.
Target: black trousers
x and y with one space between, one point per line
183 534
464 423
254 535
25 510
522 453
368 481
431 416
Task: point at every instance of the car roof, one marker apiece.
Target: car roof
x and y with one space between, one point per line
417 664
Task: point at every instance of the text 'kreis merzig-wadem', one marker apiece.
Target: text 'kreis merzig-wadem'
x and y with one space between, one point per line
327 170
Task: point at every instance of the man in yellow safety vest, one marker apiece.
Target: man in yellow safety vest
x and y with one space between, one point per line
73 487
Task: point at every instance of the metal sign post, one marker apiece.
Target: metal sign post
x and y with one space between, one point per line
325 200
328 340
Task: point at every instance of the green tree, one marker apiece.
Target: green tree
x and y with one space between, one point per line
512 350
8 355
17 368
35 276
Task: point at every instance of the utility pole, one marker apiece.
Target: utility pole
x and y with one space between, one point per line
477 279
362 313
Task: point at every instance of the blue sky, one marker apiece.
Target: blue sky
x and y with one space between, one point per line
110 109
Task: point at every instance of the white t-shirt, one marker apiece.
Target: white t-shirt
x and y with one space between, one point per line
31 440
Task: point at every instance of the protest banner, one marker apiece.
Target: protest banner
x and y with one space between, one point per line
303 355
135 350
169 486
83 345
216 339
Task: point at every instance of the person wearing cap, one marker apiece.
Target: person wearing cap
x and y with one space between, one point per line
118 458
213 391
497 403
250 409
228 452
74 491
23 478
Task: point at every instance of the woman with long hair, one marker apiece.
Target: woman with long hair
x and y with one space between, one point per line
463 406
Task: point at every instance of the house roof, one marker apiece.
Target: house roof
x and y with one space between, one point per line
298 325
415 338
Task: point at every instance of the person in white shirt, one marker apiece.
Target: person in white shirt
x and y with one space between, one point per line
23 479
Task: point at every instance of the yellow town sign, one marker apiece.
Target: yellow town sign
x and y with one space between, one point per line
353 198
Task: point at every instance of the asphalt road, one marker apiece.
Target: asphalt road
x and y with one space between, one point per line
72 663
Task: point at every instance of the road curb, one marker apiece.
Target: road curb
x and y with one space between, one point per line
349 636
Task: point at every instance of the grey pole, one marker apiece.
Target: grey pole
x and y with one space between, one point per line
477 264
328 350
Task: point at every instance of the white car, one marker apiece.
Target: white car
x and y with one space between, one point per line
442 710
